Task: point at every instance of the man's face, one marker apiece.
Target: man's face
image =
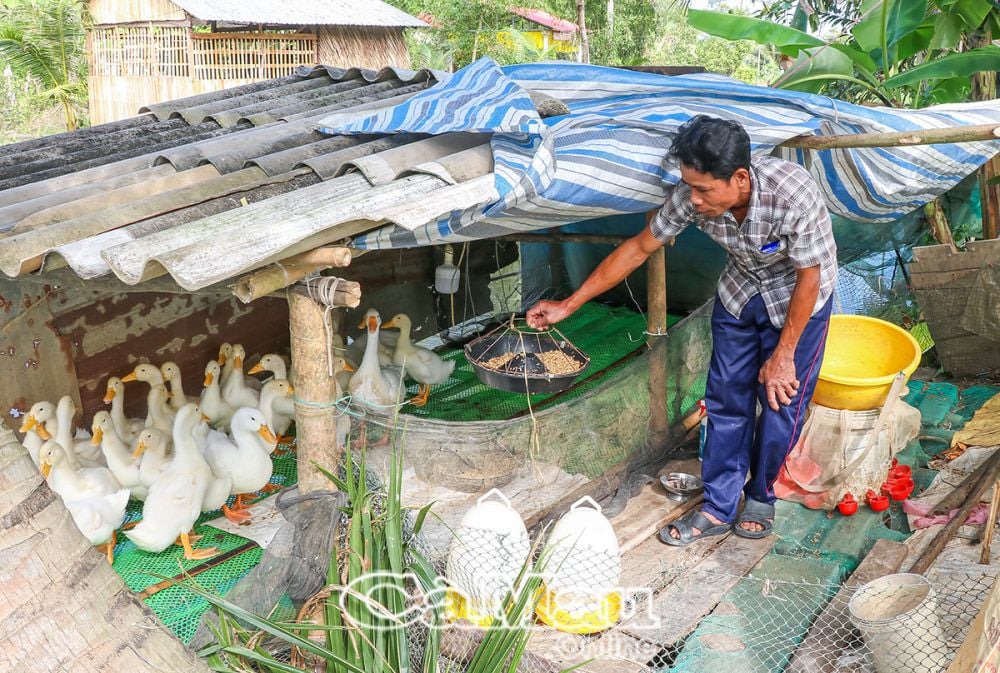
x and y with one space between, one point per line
712 196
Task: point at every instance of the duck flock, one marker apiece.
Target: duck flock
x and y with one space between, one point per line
190 454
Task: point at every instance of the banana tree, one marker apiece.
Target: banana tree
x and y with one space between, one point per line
908 53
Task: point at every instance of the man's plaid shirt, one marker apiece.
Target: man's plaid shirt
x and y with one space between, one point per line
787 227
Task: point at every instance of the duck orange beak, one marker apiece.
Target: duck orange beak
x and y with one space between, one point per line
348 367
255 369
291 389
109 395
372 324
42 432
139 449
29 423
208 379
205 418
238 363
130 377
98 436
46 468
221 359
390 324
266 433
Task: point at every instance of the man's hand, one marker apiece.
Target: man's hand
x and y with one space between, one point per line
546 313
778 378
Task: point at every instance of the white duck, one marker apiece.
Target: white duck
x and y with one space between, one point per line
225 361
127 428
234 388
212 403
146 373
152 451
96 504
247 458
354 351
117 454
180 494
272 395
152 375
421 364
79 453
372 384
70 483
34 427
172 376
271 362
161 414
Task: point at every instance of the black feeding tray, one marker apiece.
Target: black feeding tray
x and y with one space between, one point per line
524 372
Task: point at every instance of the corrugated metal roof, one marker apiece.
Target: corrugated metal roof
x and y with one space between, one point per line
209 187
302 12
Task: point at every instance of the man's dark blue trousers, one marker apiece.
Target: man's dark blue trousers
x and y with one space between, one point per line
739 441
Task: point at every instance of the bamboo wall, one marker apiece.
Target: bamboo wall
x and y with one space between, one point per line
113 98
362 47
129 11
132 66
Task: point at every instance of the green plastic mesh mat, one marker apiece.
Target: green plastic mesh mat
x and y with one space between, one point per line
606 334
177 608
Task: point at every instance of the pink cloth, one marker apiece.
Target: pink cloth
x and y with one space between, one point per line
920 510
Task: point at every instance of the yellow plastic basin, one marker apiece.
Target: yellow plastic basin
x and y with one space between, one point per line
862 357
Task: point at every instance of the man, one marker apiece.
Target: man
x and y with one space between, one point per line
769 321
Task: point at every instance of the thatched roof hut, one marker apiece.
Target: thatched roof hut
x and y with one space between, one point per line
148 51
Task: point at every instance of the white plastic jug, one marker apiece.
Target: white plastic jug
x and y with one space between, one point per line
487 553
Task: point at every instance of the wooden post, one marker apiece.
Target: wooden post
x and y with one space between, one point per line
290 270
315 389
656 324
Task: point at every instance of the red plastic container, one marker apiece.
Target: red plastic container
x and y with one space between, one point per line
878 503
848 505
900 489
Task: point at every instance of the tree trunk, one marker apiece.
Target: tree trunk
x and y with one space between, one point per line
62 607
611 20
581 21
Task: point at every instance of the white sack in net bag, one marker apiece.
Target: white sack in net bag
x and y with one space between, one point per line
843 451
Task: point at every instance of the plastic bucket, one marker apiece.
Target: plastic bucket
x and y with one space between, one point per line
897 616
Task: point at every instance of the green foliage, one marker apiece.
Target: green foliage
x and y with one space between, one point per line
366 590
678 43
899 52
42 42
469 30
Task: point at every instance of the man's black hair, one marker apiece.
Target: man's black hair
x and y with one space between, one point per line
712 145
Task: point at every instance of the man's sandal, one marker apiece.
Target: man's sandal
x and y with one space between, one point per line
759 513
685 527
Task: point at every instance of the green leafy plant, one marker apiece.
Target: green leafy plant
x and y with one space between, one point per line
365 598
43 41
908 53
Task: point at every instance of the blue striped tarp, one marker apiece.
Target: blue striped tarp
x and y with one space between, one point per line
608 156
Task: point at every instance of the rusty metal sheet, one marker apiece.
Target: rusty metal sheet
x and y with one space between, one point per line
116 332
36 362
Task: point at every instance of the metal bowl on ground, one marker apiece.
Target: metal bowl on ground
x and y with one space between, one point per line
681 486
517 362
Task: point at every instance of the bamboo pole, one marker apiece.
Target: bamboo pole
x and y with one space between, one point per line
271 278
656 328
989 526
937 545
311 326
961 134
